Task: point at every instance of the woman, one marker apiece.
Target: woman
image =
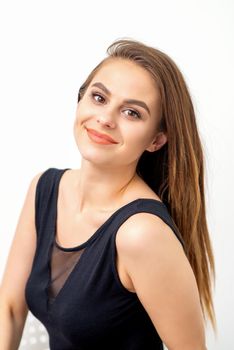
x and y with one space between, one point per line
119 249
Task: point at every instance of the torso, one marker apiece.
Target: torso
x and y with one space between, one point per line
69 222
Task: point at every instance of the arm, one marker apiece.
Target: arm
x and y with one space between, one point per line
13 308
163 280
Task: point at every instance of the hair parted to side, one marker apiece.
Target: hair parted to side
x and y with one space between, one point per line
175 172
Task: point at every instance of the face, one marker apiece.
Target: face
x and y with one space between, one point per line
123 103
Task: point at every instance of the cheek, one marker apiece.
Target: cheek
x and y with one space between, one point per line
139 137
84 112
79 117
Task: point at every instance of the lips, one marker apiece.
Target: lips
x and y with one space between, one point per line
100 135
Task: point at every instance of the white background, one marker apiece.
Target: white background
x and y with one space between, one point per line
47 50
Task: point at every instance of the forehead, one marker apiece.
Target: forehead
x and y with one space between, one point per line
127 79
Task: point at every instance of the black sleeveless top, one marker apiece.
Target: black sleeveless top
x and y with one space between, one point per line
76 292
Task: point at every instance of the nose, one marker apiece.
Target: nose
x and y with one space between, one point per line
106 121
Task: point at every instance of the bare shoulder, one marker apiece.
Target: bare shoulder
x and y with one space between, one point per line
143 230
34 180
28 204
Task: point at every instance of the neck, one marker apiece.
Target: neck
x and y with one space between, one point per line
101 188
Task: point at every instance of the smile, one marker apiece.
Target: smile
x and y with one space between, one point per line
99 139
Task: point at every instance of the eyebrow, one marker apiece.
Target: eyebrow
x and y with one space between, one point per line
129 101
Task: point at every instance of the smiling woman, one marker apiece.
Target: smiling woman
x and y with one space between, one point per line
117 255
123 108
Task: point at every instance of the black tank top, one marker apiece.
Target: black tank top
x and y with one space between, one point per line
76 292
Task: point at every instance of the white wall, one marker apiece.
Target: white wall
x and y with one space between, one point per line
47 50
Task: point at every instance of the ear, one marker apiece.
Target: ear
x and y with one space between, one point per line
159 140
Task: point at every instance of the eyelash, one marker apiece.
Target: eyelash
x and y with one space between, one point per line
93 94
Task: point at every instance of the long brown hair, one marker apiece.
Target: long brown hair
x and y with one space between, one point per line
175 172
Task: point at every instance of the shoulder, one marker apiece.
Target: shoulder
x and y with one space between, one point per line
143 231
28 208
33 183
145 242
34 179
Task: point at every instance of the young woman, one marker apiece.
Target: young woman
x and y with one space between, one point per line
116 254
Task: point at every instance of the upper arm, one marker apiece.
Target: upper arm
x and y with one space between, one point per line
163 280
21 255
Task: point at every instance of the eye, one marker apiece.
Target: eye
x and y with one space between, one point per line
94 94
134 114
137 114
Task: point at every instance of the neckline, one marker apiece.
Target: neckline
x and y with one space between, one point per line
100 228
